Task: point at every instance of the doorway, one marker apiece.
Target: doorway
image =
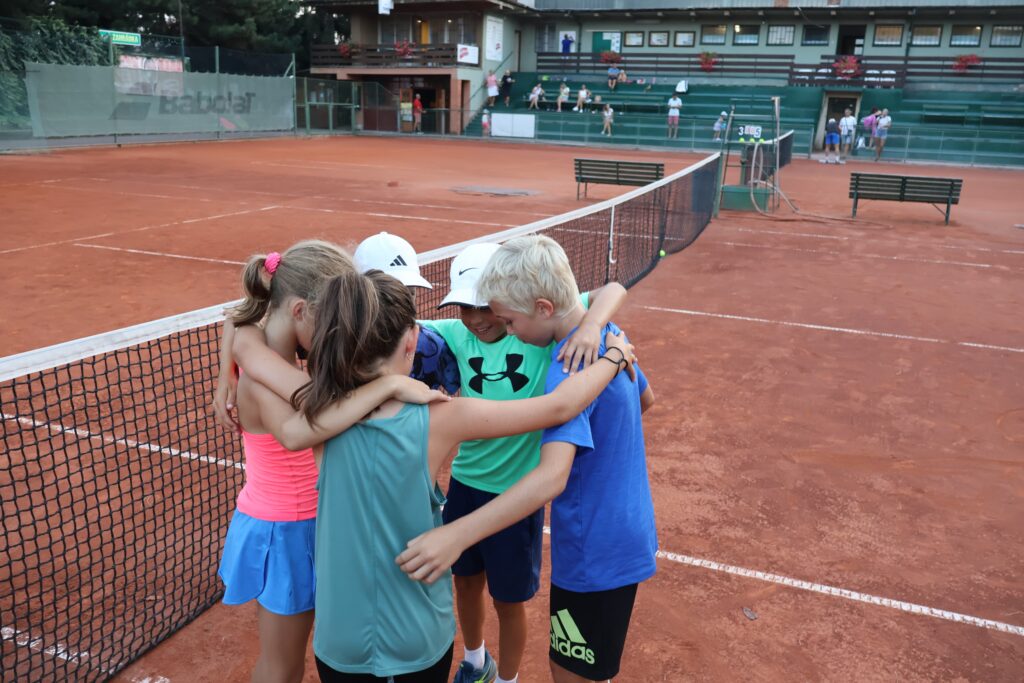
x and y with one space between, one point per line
835 106
851 40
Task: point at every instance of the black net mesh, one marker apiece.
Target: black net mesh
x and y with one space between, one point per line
116 485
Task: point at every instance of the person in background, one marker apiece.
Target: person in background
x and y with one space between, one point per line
506 87
492 88
613 76
582 99
720 126
831 142
536 95
485 123
623 78
567 42
674 106
417 115
882 126
847 131
608 116
563 96
868 123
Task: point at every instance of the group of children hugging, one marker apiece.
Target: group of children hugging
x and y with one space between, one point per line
341 527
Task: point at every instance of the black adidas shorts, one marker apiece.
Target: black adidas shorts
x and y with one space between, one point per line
588 630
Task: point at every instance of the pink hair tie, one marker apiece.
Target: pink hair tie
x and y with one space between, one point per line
272 261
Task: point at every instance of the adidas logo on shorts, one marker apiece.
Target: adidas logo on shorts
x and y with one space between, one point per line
566 638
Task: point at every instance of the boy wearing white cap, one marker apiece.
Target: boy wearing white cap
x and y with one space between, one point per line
720 125
499 366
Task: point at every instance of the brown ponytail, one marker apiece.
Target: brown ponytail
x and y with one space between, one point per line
360 321
301 272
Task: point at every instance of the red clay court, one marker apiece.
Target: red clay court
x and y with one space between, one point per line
837 450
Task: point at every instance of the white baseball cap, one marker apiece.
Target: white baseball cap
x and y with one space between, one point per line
393 255
467 268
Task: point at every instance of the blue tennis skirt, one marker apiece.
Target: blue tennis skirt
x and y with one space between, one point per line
271 562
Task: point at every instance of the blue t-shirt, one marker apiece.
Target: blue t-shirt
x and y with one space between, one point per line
602 525
567 44
613 72
434 364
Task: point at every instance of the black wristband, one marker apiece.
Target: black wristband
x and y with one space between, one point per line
623 355
617 364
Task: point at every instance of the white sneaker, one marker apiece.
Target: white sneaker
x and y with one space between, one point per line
575 108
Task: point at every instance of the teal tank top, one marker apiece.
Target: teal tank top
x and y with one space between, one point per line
375 496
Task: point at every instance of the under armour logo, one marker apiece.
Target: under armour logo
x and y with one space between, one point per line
399 261
512 363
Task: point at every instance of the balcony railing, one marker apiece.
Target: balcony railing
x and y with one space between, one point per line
874 72
384 56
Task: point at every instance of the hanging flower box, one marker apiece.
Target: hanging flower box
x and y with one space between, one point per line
708 61
847 67
345 50
611 57
964 62
404 49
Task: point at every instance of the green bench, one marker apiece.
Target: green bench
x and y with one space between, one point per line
1002 115
947 112
605 172
896 188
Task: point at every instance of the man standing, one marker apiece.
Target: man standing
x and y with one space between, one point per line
847 129
417 115
567 42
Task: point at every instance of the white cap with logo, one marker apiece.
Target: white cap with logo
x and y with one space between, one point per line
393 255
467 268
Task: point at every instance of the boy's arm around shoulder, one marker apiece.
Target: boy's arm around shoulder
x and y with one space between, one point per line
429 555
584 344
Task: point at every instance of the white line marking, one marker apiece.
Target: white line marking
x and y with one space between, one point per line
796 234
75 240
152 679
428 206
131 443
851 254
398 215
829 328
134 194
59 650
900 605
160 253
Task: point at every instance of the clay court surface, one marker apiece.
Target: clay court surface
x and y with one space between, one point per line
838 443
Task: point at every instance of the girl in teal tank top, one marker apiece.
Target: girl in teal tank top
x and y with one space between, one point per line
377 484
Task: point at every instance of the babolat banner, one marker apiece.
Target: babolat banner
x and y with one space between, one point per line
70 101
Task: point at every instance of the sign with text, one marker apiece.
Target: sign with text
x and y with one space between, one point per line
121 37
494 30
467 54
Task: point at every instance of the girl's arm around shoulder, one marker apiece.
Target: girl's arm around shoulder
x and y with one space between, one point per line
298 433
259 361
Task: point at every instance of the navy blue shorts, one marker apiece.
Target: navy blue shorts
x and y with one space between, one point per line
511 557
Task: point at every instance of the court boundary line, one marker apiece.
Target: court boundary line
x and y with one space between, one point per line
824 589
922 243
58 650
853 254
158 253
830 328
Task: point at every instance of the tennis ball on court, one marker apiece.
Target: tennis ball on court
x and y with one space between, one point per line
661 253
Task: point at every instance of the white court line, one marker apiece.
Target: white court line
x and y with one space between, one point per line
851 254
59 650
828 328
900 605
131 443
75 240
924 243
797 234
427 206
398 215
160 253
135 194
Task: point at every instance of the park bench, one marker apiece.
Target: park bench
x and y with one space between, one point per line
947 113
1003 115
897 188
615 173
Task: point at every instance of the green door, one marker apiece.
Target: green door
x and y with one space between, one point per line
607 40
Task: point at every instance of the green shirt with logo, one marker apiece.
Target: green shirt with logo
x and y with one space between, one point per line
505 370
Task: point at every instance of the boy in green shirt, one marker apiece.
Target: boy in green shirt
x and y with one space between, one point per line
498 366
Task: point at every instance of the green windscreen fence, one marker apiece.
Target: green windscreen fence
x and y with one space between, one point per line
68 101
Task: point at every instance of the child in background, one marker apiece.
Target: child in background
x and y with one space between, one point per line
498 366
377 480
868 123
485 123
608 115
582 99
674 105
535 96
563 96
831 142
719 126
600 552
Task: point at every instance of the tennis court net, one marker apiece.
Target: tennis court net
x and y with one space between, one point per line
117 486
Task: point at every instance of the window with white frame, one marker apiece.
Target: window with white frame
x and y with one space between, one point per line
965 36
926 36
1006 36
547 38
781 35
888 35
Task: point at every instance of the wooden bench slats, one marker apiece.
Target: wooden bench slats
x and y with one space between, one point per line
609 172
896 188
